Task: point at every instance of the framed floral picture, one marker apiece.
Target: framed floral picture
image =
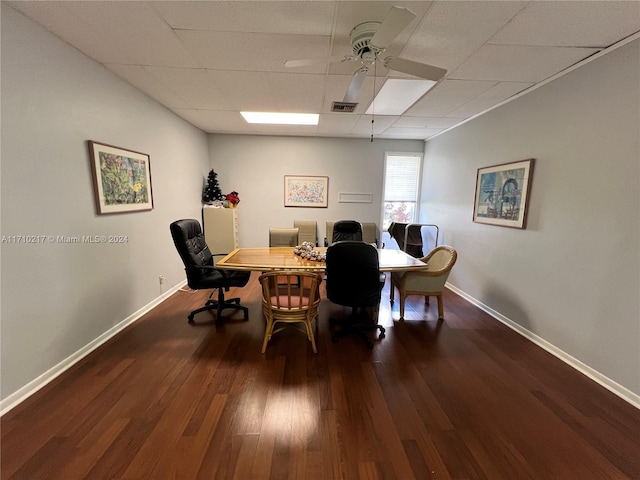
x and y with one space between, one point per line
502 194
306 191
121 179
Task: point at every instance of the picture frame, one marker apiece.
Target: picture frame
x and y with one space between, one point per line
306 191
121 179
502 194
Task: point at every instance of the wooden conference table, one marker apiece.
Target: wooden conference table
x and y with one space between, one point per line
283 258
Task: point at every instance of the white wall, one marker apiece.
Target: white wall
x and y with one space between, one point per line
572 277
255 167
58 298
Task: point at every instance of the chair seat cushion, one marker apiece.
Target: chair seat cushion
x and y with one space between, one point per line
284 301
216 279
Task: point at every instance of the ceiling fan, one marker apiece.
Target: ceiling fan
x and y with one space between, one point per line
368 41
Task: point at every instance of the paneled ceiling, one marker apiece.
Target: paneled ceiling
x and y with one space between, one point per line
208 60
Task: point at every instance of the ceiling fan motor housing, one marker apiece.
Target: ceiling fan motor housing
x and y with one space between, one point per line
360 37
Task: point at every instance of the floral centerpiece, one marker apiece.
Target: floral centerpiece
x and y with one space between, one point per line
233 199
306 250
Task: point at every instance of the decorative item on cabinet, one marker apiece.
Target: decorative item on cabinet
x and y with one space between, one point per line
211 192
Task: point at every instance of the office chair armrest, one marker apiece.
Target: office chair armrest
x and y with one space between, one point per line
211 268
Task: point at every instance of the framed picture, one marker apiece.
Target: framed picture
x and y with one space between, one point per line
306 191
502 194
121 179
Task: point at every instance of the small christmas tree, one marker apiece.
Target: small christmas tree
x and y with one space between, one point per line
211 191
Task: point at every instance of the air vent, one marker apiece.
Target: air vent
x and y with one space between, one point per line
346 107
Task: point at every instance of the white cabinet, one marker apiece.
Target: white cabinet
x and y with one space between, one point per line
221 229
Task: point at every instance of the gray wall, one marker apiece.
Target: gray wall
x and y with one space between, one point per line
58 298
255 167
572 277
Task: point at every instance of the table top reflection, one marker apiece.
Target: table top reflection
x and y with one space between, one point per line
282 258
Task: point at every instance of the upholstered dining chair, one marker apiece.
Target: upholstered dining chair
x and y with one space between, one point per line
201 271
307 231
428 282
370 233
283 237
283 301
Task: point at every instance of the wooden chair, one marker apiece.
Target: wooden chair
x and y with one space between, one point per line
428 282
286 302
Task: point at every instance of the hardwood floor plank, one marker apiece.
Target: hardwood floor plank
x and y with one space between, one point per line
79 464
461 398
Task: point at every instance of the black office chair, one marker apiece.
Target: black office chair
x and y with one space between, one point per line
201 271
346 230
354 280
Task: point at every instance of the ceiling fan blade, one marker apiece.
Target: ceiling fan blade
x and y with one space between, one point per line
416 69
355 85
394 23
306 62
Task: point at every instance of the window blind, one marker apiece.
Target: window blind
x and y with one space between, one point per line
401 178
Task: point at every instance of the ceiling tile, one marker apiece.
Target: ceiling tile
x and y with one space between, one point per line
339 124
244 90
194 86
300 93
496 94
451 31
420 133
516 63
306 18
150 85
447 96
589 24
426 122
364 127
207 60
252 51
214 121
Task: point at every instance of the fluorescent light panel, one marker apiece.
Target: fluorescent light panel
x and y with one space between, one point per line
397 95
279 118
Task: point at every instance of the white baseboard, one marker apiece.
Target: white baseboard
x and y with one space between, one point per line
32 387
594 375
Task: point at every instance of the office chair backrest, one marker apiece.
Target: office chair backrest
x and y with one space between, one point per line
307 231
353 274
346 230
370 232
194 252
283 237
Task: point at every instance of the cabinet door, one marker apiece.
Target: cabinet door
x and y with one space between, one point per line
220 229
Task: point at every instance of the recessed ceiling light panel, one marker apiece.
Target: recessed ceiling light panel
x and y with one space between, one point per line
280 118
397 95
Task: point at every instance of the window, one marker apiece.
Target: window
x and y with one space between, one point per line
401 187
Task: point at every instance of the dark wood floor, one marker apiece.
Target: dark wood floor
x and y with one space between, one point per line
465 398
